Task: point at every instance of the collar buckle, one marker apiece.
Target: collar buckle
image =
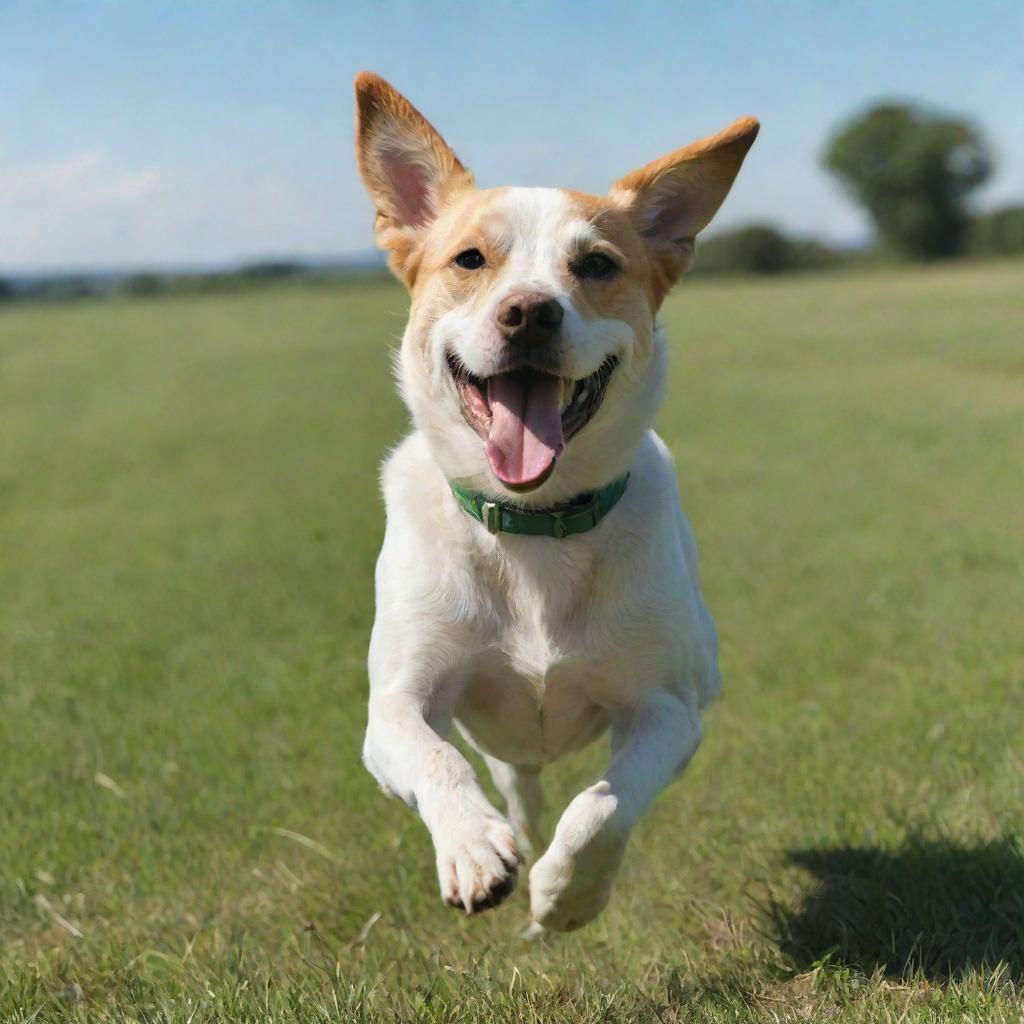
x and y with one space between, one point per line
490 515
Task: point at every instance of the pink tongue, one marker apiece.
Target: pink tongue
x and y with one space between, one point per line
526 427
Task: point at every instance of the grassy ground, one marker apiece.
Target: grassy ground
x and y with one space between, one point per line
188 525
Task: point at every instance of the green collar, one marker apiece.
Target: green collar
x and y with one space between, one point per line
581 514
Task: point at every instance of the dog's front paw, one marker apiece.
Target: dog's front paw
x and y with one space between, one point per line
478 865
572 883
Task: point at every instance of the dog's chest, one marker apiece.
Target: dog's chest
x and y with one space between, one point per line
529 696
525 720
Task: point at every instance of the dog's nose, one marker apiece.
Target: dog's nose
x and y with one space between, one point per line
529 319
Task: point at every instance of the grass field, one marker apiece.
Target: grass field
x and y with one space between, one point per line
188 526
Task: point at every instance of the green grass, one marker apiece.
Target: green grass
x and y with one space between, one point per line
188 526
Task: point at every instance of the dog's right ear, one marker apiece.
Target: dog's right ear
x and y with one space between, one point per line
407 168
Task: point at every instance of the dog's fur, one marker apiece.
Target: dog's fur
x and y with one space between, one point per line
534 646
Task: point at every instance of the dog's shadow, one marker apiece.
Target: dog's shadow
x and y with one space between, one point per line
932 907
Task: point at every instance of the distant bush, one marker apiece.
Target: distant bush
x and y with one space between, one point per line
253 275
1000 233
6 290
273 271
65 287
762 249
143 285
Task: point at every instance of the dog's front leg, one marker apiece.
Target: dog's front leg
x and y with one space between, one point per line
405 749
651 743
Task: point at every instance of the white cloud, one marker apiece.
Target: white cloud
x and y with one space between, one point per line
82 180
88 210
84 209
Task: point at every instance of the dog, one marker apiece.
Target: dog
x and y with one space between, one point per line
537 586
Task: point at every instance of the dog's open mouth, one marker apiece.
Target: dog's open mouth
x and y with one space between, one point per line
527 417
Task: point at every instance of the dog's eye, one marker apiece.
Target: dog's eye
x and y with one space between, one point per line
596 265
470 259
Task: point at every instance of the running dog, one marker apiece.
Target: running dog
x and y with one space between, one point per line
538 584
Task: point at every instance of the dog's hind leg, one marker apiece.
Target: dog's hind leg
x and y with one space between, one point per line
520 787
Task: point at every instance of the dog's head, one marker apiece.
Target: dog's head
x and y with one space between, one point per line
531 361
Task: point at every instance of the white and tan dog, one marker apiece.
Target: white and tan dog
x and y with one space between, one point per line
538 580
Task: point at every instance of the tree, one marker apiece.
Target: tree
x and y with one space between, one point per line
912 171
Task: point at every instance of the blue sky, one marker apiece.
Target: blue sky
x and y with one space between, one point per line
150 133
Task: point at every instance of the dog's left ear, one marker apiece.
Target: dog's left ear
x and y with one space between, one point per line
674 198
409 171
